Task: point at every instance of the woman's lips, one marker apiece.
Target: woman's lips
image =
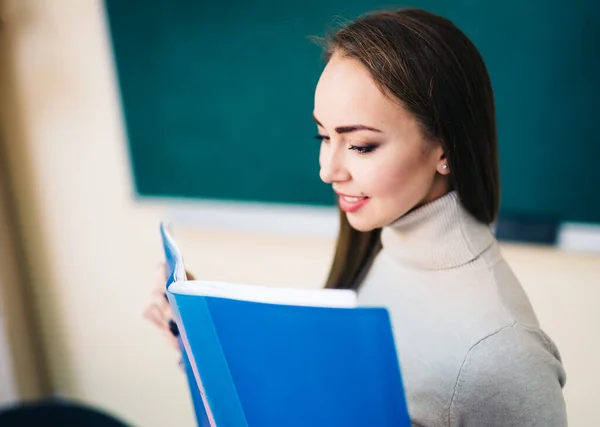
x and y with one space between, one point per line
352 203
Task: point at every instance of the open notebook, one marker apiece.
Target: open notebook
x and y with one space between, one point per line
263 356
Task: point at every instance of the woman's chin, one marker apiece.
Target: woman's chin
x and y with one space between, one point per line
360 224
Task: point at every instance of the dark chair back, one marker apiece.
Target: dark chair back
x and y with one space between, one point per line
56 413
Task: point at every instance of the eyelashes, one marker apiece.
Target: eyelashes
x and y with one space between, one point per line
361 149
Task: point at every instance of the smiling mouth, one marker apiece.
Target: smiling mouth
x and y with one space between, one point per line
352 204
351 199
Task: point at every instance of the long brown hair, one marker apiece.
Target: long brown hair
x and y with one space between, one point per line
434 71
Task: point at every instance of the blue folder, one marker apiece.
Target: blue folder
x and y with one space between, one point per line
268 357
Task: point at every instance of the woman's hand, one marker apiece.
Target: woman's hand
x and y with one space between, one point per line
159 311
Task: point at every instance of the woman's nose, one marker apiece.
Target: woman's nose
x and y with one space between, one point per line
333 168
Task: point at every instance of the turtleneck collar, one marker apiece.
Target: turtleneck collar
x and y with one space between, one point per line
437 236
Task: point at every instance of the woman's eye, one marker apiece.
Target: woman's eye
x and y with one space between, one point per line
363 149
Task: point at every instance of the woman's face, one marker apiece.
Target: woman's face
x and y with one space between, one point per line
372 150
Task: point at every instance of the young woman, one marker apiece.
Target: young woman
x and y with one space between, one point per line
405 114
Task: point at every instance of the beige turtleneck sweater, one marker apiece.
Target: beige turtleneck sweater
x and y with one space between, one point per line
471 351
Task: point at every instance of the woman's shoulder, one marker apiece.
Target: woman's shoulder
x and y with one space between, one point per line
512 377
510 294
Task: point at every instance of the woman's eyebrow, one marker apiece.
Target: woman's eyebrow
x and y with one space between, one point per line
349 128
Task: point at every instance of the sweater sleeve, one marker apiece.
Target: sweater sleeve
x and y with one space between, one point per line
513 378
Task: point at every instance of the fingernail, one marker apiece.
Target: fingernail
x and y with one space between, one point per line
173 328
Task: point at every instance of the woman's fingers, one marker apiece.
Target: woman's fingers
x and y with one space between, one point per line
159 310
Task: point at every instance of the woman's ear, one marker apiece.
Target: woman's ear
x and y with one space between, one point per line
443 167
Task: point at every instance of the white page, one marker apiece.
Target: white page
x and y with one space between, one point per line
338 298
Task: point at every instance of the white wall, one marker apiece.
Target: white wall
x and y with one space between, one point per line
92 247
19 368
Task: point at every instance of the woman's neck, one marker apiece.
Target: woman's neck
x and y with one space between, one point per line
438 235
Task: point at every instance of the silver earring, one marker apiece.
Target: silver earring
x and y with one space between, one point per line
444 166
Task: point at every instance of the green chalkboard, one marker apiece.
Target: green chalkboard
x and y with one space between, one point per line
218 96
